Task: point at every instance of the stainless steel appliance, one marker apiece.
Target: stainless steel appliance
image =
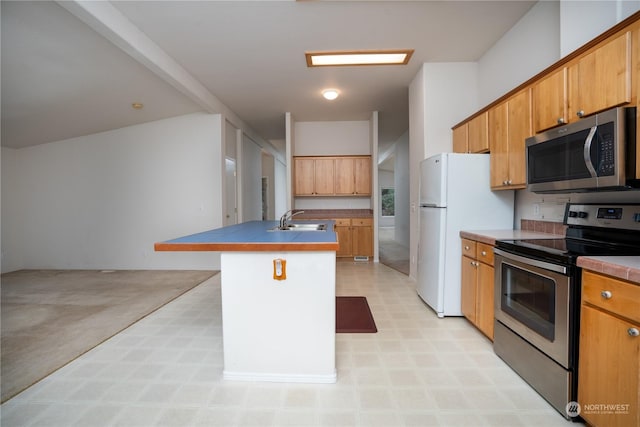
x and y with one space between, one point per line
595 153
537 295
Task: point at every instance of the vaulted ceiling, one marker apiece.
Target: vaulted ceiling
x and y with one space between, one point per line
74 68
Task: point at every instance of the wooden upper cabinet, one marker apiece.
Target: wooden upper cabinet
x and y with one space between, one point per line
362 176
509 126
602 78
324 176
549 98
478 136
460 139
332 176
304 170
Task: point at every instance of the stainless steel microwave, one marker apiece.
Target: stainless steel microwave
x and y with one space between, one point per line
596 153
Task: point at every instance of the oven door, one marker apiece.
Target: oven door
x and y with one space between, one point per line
532 299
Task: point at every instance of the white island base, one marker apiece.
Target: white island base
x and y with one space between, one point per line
279 330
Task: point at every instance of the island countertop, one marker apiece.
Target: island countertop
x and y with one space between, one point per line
254 236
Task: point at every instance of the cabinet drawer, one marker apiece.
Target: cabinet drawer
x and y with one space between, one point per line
469 248
361 222
616 296
343 222
485 253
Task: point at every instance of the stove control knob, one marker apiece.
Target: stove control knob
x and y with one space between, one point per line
573 214
582 214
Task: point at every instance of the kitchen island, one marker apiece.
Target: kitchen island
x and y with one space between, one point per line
278 299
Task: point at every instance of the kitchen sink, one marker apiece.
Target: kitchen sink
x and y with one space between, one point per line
301 227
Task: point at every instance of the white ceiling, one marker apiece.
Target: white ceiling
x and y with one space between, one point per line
62 79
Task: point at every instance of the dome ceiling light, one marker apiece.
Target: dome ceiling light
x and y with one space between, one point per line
330 94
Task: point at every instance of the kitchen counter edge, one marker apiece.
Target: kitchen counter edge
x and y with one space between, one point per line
490 236
620 267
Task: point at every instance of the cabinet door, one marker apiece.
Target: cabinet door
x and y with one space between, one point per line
478 138
324 177
486 298
362 236
460 139
343 230
363 176
345 171
498 139
550 101
603 77
304 176
469 284
608 368
519 129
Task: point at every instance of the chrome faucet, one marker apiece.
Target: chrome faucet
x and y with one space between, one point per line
287 216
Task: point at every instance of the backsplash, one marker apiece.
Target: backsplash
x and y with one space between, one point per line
543 226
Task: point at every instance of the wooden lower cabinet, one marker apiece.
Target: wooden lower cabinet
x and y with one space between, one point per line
355 236
477 281
609 361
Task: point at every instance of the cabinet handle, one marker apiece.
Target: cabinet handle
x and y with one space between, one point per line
509 182
560 120
580 113
484 253
466 248
634 332
606 294
504 182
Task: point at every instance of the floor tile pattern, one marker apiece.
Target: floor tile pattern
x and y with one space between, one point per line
166 370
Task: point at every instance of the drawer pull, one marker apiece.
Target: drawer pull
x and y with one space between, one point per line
606 294
484 253
466 248
634 332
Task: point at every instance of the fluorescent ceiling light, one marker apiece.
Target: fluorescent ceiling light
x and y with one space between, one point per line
359 57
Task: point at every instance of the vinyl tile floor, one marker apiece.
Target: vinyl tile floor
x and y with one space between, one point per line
166 370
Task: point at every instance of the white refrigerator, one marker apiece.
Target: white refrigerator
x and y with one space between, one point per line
455 195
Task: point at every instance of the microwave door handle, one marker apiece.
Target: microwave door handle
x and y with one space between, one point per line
587 152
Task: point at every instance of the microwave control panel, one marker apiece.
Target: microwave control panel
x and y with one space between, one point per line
596 215
606 162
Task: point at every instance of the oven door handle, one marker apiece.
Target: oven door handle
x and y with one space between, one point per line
534 262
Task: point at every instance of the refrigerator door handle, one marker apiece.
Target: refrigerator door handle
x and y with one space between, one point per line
429 205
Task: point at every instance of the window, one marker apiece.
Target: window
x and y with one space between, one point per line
388 202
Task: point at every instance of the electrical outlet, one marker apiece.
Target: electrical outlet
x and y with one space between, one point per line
536 209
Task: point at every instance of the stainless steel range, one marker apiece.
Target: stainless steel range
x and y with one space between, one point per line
537 295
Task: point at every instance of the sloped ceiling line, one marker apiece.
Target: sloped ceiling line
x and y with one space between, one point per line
106 20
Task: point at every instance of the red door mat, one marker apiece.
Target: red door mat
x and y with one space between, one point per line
354 316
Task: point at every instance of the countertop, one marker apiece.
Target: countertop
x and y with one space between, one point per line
490 236
621 267
334 213
254 236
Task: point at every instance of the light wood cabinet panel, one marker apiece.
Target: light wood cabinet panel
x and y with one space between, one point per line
343 230
609 369
304 172
355 236
477 285
332 176
324 177
609 365
549 99
478 136
469 290
602 78
363 176
460 139
509 126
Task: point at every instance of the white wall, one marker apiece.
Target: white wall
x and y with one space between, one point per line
101 201
401 177
526 49
251 187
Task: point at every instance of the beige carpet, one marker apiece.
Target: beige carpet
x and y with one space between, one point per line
50 317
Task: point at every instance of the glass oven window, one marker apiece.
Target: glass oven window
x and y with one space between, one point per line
529 298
